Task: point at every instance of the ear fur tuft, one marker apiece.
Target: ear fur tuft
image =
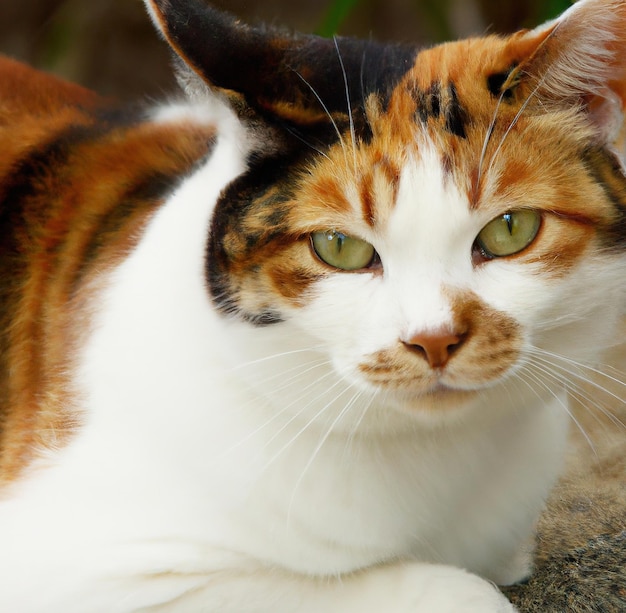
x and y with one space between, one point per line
581 59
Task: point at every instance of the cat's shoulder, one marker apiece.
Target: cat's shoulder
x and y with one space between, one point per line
34 106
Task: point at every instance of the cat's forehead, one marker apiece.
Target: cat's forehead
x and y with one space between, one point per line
468 63
449 114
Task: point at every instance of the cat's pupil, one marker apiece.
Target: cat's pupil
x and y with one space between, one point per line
509 222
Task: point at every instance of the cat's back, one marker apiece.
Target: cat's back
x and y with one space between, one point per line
79 178
30 92
33 105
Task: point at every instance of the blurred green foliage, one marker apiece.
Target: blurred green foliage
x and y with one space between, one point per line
438 13
548 9
335 16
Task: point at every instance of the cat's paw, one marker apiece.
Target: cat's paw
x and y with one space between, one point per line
419 588
454 591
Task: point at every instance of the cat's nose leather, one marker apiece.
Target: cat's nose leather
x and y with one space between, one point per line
435 347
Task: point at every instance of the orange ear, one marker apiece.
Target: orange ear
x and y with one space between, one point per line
300 79
580 59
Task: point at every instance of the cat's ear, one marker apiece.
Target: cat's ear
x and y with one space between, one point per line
580 59
300 79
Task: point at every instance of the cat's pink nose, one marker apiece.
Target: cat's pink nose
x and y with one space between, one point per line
435 347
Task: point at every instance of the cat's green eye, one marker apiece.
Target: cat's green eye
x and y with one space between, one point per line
342 251
510 233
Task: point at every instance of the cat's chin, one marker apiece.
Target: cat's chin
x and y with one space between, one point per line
438 401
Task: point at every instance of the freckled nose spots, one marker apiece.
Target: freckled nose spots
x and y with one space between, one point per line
435 347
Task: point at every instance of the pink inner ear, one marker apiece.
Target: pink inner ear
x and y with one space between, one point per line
606 112
606 108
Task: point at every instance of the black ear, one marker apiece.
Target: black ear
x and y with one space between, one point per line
300 79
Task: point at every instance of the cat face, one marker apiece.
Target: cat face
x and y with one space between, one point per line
435 228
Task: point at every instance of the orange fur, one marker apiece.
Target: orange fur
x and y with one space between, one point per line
75 219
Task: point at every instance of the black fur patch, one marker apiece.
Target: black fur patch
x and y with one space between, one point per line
496 82
442 104
456 116
250 214
607 172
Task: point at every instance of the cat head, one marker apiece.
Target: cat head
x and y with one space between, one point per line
433 220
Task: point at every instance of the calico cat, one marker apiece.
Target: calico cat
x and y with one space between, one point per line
289 345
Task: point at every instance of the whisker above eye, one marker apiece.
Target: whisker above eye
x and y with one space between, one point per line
303 140
487 139
332 120
516 120
349 105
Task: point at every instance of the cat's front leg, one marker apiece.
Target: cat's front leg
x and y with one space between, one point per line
423 588
402 588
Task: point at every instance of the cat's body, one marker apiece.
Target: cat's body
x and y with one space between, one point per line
204 410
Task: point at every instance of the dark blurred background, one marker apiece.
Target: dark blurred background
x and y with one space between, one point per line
110 45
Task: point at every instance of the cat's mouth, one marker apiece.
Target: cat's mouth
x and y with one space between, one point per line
439 397
440 389
437 389
443 374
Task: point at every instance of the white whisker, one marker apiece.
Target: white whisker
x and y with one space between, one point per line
535 372
284 409
515 120
357 424
362 77
567 377
295 134
350 115
585 367
300 370
275 356
321 442
573 389
488 136
304 428
332 120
